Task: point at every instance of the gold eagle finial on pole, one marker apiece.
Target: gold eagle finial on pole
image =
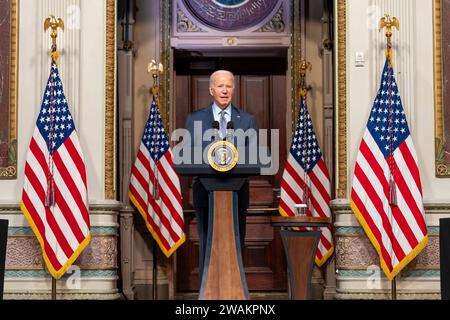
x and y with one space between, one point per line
388 23
156 70
54 24
304 66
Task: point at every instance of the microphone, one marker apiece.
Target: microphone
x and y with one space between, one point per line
230 127
215 126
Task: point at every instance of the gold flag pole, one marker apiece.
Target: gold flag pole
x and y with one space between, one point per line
54 24
388 22
155 70
303 91
304 66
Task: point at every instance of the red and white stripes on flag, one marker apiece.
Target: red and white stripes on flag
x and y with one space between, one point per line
386 193
55 170
306 179
155 186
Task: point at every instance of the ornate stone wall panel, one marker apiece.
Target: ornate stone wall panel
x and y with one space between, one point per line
96 267
23 253
219 24
230 15
429 258
276 24
358 274
355 253
101 253
186 25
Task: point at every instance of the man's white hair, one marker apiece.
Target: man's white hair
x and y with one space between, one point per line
215 73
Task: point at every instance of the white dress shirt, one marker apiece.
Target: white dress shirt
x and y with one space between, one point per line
216 112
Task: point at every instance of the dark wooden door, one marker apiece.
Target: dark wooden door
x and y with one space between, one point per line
260 90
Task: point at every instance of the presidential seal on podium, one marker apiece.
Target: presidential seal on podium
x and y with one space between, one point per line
222 156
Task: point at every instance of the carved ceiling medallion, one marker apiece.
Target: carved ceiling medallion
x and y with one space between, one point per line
230 15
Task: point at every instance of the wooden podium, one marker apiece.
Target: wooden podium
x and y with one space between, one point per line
223 273
300 248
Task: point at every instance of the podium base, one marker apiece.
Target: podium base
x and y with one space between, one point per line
300 248
223 273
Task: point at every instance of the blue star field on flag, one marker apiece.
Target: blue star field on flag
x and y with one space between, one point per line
305 148
54 121
378 123
154 137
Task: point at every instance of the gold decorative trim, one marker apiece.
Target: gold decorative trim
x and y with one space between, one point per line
110 103
296 56
10 171
13 70
341 147
442 168
166 86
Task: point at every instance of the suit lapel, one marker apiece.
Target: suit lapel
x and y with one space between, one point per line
236 117
209 118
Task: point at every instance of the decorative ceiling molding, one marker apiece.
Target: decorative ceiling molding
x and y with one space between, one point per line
186 25
192 31
276 24
231 15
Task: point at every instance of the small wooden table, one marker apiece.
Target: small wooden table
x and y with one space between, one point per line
300 248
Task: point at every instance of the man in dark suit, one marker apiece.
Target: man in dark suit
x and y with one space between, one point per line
221 88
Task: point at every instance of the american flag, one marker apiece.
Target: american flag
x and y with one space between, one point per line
54 196
155 186
386 193
306 180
